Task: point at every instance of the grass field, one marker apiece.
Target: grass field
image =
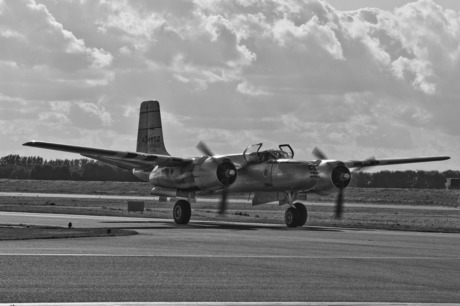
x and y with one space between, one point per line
353 195
426 218
23 232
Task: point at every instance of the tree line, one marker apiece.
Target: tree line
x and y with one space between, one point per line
35 167
403 179
83 169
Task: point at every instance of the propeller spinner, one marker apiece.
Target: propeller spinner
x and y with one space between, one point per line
226 173
341 177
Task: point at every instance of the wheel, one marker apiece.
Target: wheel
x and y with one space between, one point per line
302 211
182 212
291 216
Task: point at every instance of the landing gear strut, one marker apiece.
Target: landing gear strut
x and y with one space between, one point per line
182 212
296 215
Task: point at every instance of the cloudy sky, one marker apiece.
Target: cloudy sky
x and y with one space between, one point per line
357 78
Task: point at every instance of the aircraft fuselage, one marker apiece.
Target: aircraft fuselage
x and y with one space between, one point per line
202 175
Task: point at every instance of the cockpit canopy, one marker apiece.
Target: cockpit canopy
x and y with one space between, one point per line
252 154
271 154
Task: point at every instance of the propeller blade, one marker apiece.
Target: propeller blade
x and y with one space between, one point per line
370 159
339 204
229 174
343 179
223 202
203 148
318 153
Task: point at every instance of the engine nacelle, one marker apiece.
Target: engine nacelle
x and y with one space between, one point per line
205 174
214 174
333 176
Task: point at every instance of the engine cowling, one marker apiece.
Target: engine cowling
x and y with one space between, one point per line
214 174
333 176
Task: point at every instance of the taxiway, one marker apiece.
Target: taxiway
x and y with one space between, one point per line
227 262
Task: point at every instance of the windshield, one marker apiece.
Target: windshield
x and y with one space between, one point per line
273 155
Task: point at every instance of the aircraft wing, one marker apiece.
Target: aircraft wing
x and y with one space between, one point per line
391 161
122 159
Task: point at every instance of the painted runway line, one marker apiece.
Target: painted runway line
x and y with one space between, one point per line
232 304
233 256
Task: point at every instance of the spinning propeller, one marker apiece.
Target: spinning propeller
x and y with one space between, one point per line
318 153
340 176
226 173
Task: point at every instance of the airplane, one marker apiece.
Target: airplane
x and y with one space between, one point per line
272 175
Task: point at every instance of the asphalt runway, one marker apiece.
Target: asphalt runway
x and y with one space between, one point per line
227 262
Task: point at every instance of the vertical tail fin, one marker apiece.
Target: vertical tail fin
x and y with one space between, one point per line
150 132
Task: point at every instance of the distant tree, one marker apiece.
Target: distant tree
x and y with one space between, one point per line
19 173
62 173
75 176
83 162
6 170
12 159
98 172
381 179
451 174
361 179
37 172
42 172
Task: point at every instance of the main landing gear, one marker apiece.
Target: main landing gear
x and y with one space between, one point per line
296 215
182 212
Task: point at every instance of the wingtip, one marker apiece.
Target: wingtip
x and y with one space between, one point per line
29 143
32 143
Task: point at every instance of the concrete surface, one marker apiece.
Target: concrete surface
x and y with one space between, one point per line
227 262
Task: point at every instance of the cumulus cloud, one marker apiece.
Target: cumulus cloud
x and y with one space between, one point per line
274 71
37 50
96 110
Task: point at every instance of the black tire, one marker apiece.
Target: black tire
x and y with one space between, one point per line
291 216
182 212
303 214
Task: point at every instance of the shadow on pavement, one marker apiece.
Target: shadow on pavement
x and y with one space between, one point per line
215 225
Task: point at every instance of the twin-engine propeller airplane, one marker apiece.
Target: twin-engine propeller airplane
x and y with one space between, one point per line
271 175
